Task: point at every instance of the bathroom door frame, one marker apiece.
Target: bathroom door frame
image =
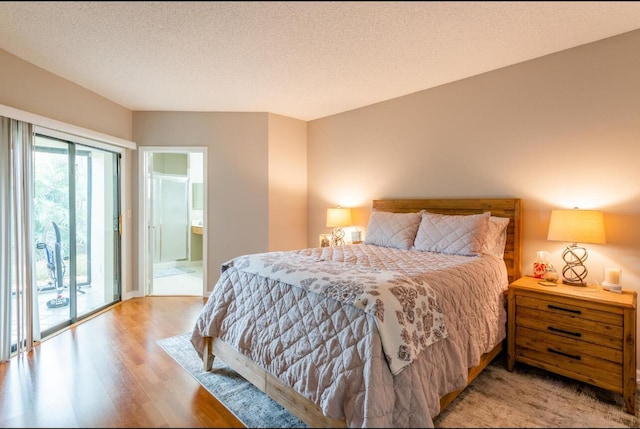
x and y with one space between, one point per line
145 258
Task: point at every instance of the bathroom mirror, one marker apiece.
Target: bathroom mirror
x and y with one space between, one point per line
198 196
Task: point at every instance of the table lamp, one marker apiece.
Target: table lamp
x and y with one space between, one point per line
576 226
336 219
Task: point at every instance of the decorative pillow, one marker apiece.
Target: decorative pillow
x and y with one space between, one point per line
452 234
496 237
392 229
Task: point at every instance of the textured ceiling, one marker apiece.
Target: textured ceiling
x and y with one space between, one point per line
305 60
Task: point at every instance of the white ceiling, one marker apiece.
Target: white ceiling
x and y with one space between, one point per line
305 60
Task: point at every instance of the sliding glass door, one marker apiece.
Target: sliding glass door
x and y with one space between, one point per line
76 231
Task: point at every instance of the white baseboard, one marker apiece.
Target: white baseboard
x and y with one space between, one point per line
133 294
139 294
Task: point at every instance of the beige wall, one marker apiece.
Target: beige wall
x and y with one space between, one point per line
256 166
287 183
559 131
35 90
237 168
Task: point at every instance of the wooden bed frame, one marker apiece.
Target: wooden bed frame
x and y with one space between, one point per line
309 412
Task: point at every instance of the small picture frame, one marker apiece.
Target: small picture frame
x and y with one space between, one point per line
324 240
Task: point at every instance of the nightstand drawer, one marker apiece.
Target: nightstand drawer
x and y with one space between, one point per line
571 358
569 327
574 309
568 347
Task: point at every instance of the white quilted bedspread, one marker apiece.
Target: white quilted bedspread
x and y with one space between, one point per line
332 353
406 311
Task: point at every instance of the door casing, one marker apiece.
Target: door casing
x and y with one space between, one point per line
145 258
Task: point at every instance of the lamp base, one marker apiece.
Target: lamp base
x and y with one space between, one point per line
337 237
574 273
569 283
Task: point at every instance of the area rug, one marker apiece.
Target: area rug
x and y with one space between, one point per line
171 271
530 397
250 405
526 397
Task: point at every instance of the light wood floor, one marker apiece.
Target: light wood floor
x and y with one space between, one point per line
109 372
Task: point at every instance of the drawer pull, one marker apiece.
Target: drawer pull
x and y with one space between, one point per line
575 334
550 350
554 307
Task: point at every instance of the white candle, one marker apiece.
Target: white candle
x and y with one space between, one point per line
612 275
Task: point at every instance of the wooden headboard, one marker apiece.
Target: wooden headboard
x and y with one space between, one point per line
502 207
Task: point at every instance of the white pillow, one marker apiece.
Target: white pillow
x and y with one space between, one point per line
452 234
392 229
495 239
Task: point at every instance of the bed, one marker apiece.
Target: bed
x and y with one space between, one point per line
330 355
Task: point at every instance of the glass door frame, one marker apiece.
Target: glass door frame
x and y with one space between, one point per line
75 145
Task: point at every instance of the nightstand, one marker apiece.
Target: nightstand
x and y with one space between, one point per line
576 332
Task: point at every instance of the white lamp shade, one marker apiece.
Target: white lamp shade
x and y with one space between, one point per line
338 217
577 226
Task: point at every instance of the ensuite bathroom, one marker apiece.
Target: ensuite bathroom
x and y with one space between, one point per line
177 222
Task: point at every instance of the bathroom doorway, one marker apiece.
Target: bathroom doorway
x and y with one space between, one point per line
173 214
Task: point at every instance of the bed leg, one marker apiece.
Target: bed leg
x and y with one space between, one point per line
207 355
